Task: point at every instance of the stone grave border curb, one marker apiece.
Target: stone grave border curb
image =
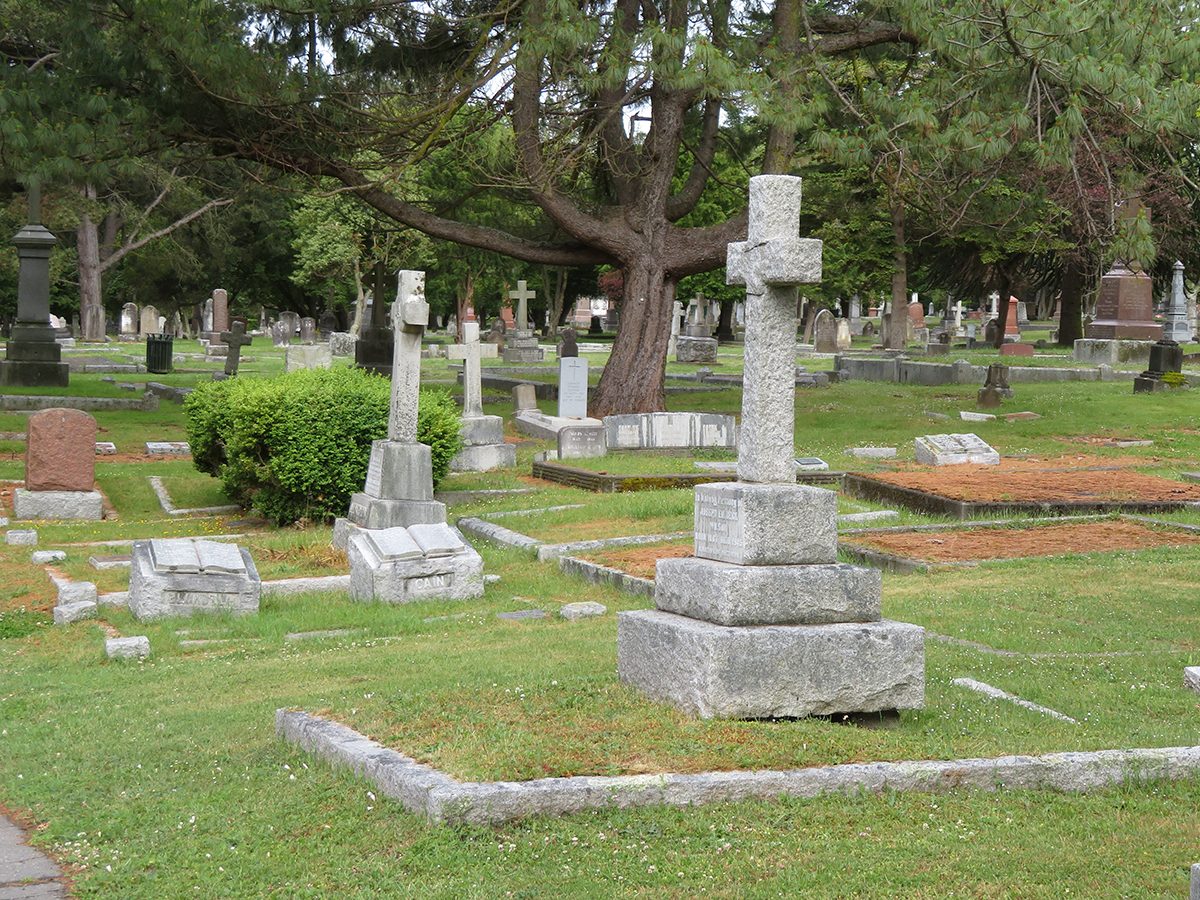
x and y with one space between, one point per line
905 565
164 500
556 472
866 487
514 540
598 574
441 799
34 402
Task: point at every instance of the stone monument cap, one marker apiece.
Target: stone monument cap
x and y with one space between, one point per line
393 543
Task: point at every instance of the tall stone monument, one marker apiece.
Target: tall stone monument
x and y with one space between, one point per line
1125 307
1177 328
374 348
483 436
696 344
763 621
521 346
33 357
399 488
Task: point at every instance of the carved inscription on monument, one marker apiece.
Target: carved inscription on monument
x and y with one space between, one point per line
719 532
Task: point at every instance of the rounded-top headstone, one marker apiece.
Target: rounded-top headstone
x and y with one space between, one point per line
60 452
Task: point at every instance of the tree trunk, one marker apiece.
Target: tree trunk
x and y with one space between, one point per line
896 335
91 303
556 291
1005 290
633 378
1070 316
360 301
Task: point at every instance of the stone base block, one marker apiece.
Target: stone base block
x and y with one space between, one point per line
766 524
57 504
456 577
484 458
33 373
524 354
155 595
771 671
1110 352
77 611
127 647
372 512
216 351
1148 385
341 533
726 594
308 356
539 425
482 430
399 471
695 349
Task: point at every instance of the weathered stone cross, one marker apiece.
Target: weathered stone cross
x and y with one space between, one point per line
522 295
470 351
772 262
235 339
410 315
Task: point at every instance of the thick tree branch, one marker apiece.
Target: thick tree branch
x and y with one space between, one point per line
689 195
136 243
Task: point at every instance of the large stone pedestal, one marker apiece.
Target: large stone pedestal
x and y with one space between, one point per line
690 349
57 505
373 351
307 356
33 358
522 347
764 622
423 562
1105 352
483 446
1124 308
399 488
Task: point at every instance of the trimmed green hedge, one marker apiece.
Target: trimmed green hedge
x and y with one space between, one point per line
296 446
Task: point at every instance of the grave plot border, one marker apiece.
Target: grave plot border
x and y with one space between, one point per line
598 574
905 565
443 800
596 482
866 487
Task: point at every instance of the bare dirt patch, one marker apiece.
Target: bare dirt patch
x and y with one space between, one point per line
639 561
1021 484
967 545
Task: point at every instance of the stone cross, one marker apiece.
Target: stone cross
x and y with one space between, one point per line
772 262
410 315
958 311
471 351
522 295
994 296
235 339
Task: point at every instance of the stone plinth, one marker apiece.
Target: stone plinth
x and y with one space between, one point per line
373 351
695 349
538 424
670 431
766 524
483 446
522 347
1100 352
307 356
399 488
1125 307
88 505
422 562
181 577
771 671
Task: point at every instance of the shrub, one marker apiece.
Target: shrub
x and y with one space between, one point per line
297 446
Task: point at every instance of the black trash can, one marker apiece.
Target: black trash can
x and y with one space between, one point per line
159 350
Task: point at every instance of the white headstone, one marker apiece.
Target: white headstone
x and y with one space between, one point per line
522 295
572 387
129 318
149 321
1177 327
954 449
471 351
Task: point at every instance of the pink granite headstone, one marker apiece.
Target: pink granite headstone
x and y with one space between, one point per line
60 451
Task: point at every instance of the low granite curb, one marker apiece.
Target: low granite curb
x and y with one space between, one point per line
498 534
286 587
598 574
554 551
441 799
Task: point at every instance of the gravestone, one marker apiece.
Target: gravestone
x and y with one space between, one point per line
484 448
916 314
581 442
399 485
496 334
60 467
307 356
327 324
567 344
1125 307
420 562
696 344
676 315
995 389
308 330
1166 358
149 321
1022 313
129 319
1012 330
763 621
220 310
206 319
670 431
1177 328
841 337
375 346
572 388
279 334
522 345
184 576
341 343
825 332
524 397
235 339
291 323
954 450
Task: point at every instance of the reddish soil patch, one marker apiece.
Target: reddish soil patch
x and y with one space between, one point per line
999 484
1013 543
639 561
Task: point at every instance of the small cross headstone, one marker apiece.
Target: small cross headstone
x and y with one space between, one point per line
522 295
235 339
471 351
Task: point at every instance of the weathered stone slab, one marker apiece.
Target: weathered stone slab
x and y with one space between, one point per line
21 537
168 448
584 609
41 557
582 442
484 457
700 350
127 647
75 611
307 356
954 449
872 452
58 505
1191 678
342 343
670 431
171 578
766 524
726 594
771 671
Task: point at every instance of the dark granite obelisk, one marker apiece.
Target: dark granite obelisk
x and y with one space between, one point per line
374 348
32 357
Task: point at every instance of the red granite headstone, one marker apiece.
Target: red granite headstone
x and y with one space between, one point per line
60 451
1125 307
